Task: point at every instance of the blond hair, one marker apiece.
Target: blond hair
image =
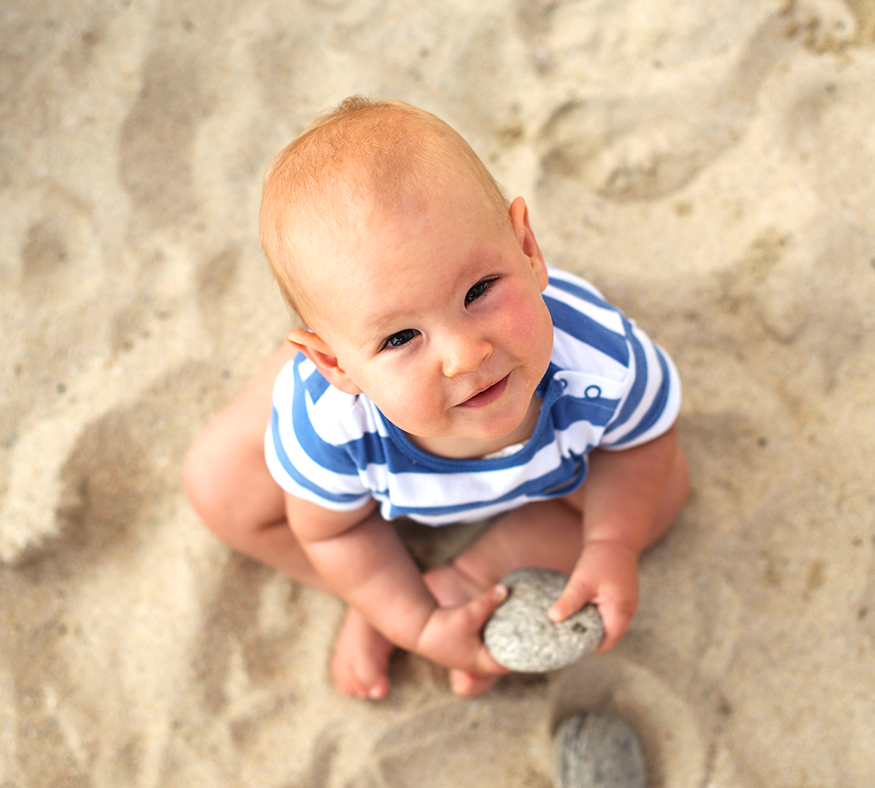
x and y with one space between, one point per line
361 159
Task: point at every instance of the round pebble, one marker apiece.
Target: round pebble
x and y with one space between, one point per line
598 750
520 637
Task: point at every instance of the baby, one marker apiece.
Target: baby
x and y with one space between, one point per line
444 374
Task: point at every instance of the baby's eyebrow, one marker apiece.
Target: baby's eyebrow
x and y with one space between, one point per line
381 325
379 330
368 341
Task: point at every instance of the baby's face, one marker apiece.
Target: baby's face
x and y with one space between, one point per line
438 317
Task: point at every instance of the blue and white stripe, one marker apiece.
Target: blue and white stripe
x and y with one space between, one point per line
608 386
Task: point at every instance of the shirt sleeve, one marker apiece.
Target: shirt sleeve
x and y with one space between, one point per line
598 338
303 447
652 403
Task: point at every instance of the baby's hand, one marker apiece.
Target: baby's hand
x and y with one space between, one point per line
452 635
606 574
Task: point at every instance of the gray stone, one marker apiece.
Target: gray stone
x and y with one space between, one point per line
520 637
598 750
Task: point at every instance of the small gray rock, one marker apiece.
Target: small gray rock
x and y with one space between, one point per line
520 637
598 750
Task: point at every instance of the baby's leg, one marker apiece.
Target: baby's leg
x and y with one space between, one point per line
227 480
546 534
228 483
360 662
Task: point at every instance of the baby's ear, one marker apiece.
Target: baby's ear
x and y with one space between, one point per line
320 353
519 219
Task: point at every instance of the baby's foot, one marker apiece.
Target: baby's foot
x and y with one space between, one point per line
451 588
469 685
360 664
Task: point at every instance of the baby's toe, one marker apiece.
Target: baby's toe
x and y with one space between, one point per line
366 681
467 685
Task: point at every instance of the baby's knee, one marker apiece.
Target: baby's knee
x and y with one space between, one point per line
230 487
208 482
198 481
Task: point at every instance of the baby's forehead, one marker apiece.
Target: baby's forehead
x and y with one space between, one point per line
355 171
351 254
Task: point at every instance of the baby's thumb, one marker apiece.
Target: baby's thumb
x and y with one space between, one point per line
483 606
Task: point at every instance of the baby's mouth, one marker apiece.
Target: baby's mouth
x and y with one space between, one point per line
488 395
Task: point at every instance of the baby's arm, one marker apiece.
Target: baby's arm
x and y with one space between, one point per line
361 557
621 502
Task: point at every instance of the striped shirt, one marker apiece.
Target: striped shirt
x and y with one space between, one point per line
608 385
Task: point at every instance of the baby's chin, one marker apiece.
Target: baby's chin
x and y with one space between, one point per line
471 446
457 446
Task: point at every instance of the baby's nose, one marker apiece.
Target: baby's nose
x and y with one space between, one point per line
465 354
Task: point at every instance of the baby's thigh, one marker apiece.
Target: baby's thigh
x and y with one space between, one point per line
432 546
224 469
574 499
545 534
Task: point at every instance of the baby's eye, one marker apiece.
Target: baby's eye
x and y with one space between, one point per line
400 338
477 291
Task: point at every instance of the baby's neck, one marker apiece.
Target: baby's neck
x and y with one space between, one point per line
471 448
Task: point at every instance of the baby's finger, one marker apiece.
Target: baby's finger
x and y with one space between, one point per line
480 609
573 597
483 606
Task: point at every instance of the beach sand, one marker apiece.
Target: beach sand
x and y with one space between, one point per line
708 164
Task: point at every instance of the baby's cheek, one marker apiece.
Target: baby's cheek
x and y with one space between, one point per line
410 408
528 324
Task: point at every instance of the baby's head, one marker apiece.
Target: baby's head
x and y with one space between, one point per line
419 285
356 167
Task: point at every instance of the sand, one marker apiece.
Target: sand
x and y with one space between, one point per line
708 163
